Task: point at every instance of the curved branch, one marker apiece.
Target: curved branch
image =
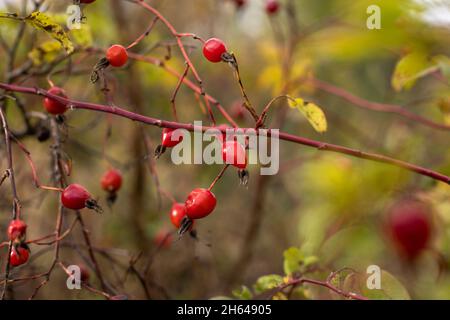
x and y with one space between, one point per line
376 106
190 127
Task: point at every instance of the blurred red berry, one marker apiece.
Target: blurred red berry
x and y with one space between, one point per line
111 180
177 213
213 49
240 3
55 107
167 140
272 6
84 273
200 203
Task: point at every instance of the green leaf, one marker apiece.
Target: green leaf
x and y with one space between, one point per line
243 293
268 282
293 259
43 22
410 68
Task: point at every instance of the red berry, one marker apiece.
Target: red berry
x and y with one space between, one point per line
19 256
213 49
111 180
16 229
200 203
177 213
75 197
53 106
117 55
234 153
87 1
163 239
410 227
167 140
272 6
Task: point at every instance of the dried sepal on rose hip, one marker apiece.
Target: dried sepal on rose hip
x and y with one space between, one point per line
168 140
76 197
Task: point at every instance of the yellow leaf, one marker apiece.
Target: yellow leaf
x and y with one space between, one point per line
42 22
83 36
46 52
313 113
410 68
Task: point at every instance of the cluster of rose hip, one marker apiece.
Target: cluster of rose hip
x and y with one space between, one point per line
199 203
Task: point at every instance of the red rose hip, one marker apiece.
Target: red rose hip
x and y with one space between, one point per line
55 107
111 180
75 197
213 49
117 55
234 153
19 255
16 229
200 203
409 225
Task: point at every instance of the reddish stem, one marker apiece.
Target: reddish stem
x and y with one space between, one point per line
190 127
376 106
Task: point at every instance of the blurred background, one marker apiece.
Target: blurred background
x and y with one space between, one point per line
329 206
